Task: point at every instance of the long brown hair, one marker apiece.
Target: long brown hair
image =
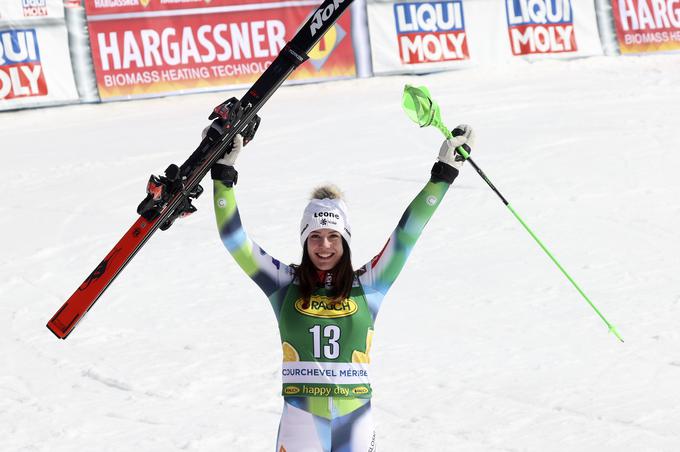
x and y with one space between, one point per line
343 275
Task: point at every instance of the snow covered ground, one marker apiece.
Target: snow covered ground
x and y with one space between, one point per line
482 345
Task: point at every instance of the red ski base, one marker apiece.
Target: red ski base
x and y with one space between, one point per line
57 325
75 308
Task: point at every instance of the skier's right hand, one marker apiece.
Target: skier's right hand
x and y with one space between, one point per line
229 157
223 170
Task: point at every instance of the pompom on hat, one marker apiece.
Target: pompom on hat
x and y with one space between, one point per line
326 210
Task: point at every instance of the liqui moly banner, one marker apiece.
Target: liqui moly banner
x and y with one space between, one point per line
430 32
35 65
414 36
21 71
647 25
540 26
17 10
154 47
423 36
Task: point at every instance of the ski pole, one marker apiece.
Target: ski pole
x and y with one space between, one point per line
420 107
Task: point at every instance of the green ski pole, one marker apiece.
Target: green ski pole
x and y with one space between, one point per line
420 107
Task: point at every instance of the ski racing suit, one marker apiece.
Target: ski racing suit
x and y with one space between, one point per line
326 343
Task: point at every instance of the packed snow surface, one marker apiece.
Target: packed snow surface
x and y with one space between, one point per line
482 344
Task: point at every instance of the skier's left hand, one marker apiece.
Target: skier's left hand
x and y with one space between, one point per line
464 136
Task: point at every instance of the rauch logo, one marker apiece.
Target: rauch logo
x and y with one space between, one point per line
325 307
540 26
21 73
431 32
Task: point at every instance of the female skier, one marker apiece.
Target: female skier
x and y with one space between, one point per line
325 309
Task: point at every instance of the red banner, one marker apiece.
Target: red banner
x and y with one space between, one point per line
150 53
98 7
647 25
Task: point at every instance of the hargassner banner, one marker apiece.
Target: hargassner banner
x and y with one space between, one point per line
422 36
647 25
35 65
143 48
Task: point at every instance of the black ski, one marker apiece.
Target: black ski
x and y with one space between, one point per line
169 197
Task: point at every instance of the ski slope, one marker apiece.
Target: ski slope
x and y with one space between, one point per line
482 345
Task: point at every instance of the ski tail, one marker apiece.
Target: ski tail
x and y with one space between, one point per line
85 296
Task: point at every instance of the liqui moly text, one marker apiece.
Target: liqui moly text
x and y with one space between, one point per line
21 72
431 32
540 26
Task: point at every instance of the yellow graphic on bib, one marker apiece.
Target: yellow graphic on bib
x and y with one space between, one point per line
144 3
289 352
326 307
361 357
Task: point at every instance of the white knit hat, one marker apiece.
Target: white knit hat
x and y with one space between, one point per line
326 210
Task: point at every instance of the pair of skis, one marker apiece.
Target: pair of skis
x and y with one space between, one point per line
169 196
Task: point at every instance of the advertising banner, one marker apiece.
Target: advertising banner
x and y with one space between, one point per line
647 25
21 71
425 36
552 28
35 65
544 26
430 32
105 7
417 36
147 48
16 10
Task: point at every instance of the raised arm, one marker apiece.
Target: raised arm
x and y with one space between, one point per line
381 272
267 272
